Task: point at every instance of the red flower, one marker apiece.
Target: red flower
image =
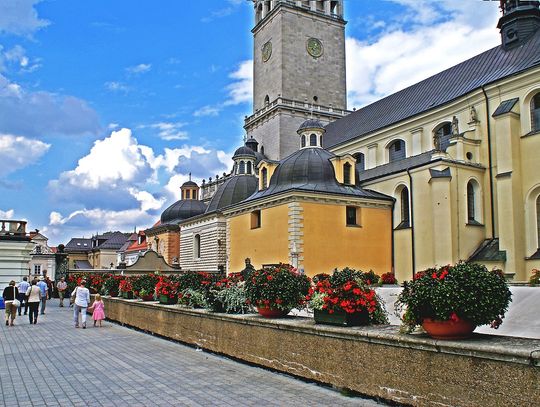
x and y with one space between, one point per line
454 317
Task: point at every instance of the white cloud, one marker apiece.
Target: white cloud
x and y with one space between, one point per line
116 87
34 114
19 17
17 152
207 111
85 221
9 214
16 57
241 90
169 130
138 69
405 54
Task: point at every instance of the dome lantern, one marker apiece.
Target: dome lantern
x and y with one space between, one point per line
311 134
244 161
190 190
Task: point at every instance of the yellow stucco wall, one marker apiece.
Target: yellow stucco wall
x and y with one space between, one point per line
329 243
265 245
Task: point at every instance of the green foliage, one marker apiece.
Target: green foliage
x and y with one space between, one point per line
279 287
535 277
233 299
145 284
339 277
465 291
195 280
192 298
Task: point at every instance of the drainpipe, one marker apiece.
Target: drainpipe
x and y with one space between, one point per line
393 265
411 204
491 203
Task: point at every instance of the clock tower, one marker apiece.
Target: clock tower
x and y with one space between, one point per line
299 70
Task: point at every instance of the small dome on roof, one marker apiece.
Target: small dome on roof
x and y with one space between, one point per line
189 184
311 124
181 210
234 190
244 151
252 143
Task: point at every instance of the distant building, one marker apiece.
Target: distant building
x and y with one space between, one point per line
97 252
15 248
43 262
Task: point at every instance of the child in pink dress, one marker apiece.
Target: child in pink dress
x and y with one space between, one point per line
98 310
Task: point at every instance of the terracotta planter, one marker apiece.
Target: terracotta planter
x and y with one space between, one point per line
164 299
341 318
448 330
269 312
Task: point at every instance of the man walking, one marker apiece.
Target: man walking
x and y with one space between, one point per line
82 300
23 286
61 286
42 285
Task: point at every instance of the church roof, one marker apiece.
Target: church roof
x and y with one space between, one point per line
488 67
243 151
310 170
234 190
181 210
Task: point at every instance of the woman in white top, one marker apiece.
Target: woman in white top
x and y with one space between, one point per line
82 300
33 298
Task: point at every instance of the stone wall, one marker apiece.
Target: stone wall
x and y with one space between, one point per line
379 362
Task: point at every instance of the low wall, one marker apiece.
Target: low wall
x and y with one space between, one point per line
378 362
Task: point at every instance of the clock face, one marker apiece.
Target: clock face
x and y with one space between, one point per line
266 51
314 47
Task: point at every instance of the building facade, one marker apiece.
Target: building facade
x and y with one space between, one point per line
15 248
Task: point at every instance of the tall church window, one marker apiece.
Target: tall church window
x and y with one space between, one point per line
347 174
264 176
535 112
470 202
312 139
242 168
442 135
396 150
197 246
249 167
303 141
360 161
404 206
351 218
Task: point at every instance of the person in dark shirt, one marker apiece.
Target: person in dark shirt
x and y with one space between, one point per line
10 294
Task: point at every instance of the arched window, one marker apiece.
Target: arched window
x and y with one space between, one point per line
538 221
360 161
396 150
197 246
262 150
535 112
242 168
442 135
312 139
347 174
404 208
266 100
188 194
470 203
303 140
264 176
249 167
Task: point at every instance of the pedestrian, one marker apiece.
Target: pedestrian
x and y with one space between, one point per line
33 297
82 300
23 286
10 295
61 286
44 289
50 287
98 310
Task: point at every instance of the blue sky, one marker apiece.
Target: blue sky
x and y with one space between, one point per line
106 106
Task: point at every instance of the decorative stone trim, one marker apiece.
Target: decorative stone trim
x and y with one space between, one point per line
296 233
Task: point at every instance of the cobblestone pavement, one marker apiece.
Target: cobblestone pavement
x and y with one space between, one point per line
54 364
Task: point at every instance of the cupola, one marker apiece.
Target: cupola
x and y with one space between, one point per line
520 20
190 190
311 134
244 161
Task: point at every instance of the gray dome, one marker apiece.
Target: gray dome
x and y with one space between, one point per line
244 151
234 190
181 210
253 144
311 124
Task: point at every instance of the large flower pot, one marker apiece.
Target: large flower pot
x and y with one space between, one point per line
341 318
447 330
164 299
270 312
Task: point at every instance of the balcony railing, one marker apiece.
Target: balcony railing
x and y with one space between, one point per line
10 228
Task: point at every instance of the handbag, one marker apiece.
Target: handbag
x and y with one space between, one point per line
15 302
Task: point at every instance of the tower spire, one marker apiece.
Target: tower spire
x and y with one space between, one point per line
520 20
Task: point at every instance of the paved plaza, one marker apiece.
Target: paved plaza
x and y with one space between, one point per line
54 364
